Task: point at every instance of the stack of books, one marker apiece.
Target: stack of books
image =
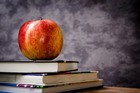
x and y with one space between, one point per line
45 77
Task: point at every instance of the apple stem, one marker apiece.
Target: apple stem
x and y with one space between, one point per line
41 18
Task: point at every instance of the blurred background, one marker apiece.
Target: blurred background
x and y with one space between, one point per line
102 35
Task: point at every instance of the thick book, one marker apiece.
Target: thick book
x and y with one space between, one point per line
39 66
66 77
30 88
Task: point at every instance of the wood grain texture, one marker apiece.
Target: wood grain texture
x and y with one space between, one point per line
107 89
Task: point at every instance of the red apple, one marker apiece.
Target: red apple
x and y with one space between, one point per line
40 39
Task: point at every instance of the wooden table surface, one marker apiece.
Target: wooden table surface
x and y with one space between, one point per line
107 89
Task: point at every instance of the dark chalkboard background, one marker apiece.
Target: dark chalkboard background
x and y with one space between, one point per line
102 35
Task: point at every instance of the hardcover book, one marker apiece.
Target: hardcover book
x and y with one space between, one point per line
56 88
39 66
66 77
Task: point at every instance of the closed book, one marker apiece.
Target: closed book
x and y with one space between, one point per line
67 77
18 88
5 92
23 67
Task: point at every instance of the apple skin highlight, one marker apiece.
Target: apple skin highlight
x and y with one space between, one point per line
40 39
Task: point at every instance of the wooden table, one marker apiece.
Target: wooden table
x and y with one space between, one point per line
106 89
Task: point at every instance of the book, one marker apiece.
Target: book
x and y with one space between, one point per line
23 88
5 92
39 66
66 77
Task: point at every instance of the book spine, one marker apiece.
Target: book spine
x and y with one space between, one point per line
22 85
6 92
